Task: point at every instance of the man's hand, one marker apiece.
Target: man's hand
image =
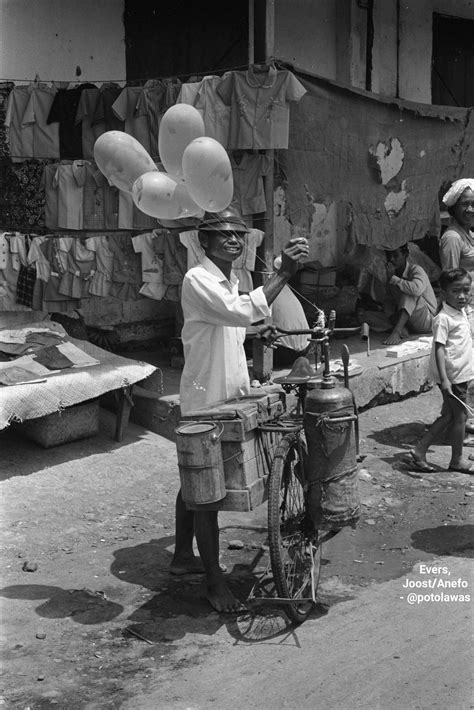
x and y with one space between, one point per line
390 269
293 253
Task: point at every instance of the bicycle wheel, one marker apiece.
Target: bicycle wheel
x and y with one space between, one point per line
294 553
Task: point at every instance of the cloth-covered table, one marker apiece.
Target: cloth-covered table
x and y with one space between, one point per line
67 387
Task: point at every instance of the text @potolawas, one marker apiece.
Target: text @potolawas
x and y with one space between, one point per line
435 577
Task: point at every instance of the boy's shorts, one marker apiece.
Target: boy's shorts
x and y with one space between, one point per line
460 390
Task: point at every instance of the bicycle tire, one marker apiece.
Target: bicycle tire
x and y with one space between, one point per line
294 552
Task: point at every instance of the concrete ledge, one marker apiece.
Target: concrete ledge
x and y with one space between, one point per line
375 379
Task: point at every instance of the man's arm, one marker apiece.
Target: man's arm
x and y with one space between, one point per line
415 284
295 251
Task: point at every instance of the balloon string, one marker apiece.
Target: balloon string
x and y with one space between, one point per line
295 290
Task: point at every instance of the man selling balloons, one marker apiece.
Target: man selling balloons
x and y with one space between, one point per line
215 315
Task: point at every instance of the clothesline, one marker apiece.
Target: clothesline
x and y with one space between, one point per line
190 74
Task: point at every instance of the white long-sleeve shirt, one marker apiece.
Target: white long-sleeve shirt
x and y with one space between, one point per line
215 319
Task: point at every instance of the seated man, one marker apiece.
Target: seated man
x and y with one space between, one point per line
409 303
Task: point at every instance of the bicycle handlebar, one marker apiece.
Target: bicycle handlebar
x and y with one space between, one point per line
319 332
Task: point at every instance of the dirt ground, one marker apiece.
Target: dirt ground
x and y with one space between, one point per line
92 619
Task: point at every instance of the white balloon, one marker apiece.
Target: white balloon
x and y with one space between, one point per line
158 195
180 125
208 174
121 158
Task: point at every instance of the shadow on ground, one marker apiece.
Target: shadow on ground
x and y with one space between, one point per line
179 606
36 458
456 540
84 606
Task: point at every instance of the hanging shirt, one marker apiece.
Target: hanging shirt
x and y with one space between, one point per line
195 251
45 135
152 265
188 93
260 107
8 276
248 170
80 267
69 181
215 321
125 107
215 112
103 114
126 272
19 137
129 216
84 116
64 110
49 185
101 280
154 100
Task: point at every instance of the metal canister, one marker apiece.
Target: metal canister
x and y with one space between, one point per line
332 456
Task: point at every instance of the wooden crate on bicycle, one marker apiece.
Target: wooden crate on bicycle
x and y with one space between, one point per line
246 451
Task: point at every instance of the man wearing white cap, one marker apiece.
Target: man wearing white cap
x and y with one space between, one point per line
215 322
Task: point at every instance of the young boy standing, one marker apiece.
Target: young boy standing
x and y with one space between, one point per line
451 367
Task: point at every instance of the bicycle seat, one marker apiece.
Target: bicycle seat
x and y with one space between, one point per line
300 373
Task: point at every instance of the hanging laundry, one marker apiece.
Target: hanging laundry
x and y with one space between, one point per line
42 267
259 99
20 138
195 252
100 207
152 265
130 217
215 112
45 135
20 246
6 87
188 93
126 271
64 111
248 170
155 99
101 280
55 250
69 182
8 276
84 117
125 108
80 267
103 114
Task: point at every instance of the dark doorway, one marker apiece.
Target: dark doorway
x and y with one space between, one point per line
184 38
452 66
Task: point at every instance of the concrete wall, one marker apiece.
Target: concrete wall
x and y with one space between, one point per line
305 34
416 42
64 40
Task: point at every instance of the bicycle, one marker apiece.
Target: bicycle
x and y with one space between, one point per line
294 543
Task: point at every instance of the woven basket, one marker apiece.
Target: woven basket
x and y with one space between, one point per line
76 422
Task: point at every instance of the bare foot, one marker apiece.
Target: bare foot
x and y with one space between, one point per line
186 565
221 598
393 339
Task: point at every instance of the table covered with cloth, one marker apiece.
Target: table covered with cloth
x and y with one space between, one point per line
63 388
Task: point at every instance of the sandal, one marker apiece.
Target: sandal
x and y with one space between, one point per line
419 464
462 469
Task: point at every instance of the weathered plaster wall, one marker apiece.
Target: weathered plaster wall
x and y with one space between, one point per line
305 34
57 39
415 38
